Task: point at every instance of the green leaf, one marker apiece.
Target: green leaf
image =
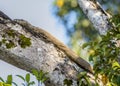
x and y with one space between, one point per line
116 80
116 19
35 73
21 77
118 36
27 77
80 83
96 84
44 79
115 64
41 75
86 44
90 58
9 79
1 79
31 83
87 80
14 83
4 84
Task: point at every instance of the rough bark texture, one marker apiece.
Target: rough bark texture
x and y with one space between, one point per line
96 15
46 53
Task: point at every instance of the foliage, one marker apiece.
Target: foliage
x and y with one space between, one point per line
103 51
77 27
8 82
41 76
106 54
83 79
4 84
26 80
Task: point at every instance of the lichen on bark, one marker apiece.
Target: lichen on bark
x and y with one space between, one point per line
45 53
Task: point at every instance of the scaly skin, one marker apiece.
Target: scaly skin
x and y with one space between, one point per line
45 36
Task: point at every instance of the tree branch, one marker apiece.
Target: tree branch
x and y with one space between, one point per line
96 15
46 53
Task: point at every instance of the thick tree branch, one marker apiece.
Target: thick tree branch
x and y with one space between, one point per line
46 53
96 15
49 38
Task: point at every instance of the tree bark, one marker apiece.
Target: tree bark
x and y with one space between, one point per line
96 15
46 53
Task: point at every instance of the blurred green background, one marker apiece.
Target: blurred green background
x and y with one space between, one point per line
78 27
